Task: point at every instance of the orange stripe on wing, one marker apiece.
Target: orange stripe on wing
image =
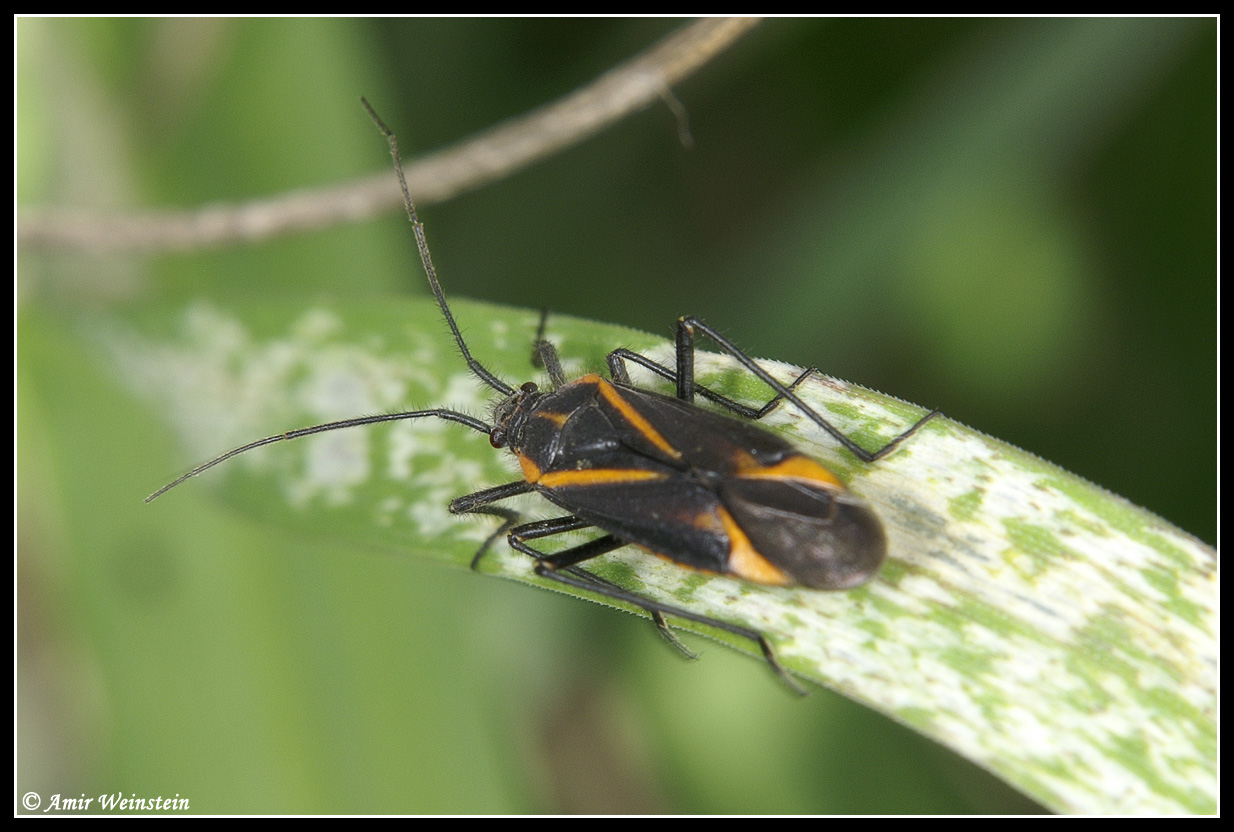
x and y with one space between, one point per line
597 476
796 467
636 419
531 471
745 562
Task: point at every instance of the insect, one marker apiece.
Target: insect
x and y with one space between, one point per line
706 491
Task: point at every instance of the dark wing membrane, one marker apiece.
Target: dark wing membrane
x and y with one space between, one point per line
673 517
823 538
706 440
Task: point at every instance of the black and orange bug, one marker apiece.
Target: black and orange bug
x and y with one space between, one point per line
706 491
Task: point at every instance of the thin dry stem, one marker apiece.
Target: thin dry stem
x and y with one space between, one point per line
496 153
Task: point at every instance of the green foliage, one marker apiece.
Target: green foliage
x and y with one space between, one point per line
254 645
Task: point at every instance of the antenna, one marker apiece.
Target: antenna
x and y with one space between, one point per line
475 366
449 415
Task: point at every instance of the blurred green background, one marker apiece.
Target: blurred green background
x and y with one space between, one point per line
1011 220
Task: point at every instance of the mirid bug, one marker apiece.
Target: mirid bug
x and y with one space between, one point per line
704 490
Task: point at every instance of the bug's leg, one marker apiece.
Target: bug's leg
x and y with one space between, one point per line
480 502
567 561
570 577
617 369
544 354
562 567
686 386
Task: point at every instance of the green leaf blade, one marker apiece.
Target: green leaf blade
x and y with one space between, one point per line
1044 628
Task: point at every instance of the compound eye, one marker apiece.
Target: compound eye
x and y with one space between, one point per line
497 438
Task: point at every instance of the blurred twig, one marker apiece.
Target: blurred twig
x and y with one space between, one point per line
494 154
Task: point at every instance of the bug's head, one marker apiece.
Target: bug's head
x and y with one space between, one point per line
510 414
